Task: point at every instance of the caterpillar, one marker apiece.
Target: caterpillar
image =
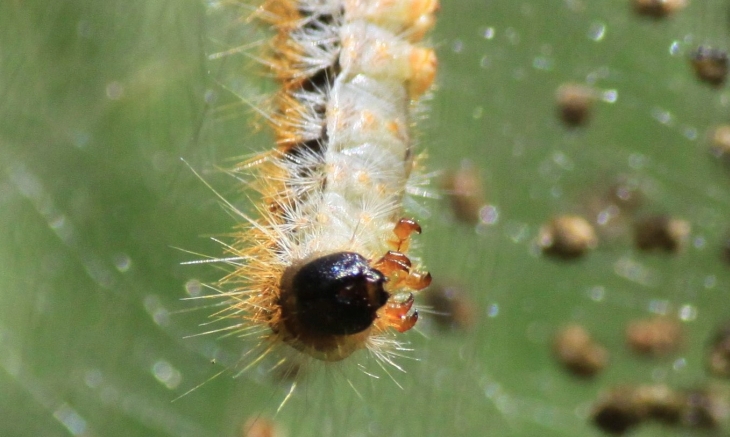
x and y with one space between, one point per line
325 269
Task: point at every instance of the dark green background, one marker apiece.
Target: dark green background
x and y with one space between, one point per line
99 100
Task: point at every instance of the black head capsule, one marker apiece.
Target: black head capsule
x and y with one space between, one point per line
333 295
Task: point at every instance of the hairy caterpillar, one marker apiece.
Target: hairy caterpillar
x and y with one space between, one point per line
326 268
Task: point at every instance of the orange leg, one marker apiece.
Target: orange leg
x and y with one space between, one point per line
418 280
399 314
403 230
395 266
393 262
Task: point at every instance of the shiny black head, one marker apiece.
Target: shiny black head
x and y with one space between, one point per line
336 294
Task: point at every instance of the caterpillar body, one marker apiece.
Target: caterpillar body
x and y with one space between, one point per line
326 268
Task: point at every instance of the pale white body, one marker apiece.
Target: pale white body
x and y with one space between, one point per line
353 201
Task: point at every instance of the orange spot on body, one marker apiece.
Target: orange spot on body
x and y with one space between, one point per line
422 17
423 67
368 120
363 178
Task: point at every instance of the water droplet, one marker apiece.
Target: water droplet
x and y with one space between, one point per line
597 31
688 313
168 375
